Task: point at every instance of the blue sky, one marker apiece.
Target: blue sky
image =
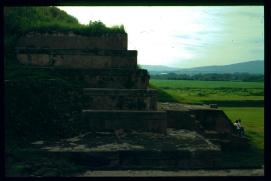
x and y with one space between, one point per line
185 36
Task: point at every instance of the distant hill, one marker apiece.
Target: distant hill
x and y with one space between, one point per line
252 67
159 68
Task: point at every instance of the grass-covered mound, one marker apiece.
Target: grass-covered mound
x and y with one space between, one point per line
20 20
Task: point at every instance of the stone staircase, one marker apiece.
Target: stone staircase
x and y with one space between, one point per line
111 76
129 109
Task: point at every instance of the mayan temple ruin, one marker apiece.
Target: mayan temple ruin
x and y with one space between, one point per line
127 126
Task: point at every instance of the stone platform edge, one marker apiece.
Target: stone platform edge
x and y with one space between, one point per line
110 120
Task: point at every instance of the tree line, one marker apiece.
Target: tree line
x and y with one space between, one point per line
246 77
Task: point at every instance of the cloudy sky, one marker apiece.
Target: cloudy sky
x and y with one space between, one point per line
185 37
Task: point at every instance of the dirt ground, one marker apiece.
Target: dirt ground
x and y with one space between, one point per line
158 173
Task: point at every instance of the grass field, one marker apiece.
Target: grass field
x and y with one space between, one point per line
223 93
206 84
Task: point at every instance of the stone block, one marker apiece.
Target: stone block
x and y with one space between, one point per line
39 59
96 78
106 78
120 99
110 41
181 119
213 119
82 59
23 58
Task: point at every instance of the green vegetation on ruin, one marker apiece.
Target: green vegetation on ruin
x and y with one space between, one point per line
20 20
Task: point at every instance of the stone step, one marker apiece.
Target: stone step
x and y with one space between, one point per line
219 141
71 51
78 58
71 40
109 78
97 78
104 120
212 134
120 99
231 142
137 150
210 119
180 119
213 119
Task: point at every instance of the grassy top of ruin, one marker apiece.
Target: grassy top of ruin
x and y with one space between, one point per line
21 20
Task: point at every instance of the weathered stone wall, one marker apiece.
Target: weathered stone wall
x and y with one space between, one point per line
214 120
106 120
94 78
78 58
180 119
120 99
98 62
108 78
70 40
41 109
184 116
32 107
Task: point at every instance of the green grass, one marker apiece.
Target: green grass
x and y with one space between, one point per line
223 93
252 120
205 84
